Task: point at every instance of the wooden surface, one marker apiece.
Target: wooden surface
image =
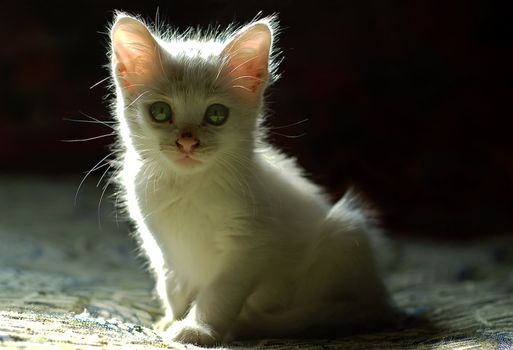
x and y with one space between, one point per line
70 279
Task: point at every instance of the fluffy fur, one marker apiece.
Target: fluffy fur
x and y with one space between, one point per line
242 245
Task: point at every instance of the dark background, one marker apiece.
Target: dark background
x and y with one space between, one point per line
410 101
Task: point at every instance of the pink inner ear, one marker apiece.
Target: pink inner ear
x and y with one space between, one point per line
249 74
121 73
248 58
135 52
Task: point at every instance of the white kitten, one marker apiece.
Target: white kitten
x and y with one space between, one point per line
241 243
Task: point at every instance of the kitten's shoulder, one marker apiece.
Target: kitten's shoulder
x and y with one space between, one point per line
276 159
283 169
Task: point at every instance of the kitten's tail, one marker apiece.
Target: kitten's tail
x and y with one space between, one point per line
353 208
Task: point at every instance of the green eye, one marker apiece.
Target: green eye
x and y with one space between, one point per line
216 114
160 112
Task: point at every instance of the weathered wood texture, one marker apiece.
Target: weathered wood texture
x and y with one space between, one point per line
71 281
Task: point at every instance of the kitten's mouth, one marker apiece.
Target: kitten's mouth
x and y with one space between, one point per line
187 160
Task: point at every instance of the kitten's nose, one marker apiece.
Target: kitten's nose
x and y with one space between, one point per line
187 143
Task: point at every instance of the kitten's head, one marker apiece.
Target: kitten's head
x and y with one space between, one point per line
188 101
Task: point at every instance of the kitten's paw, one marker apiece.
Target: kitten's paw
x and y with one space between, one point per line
164 323
188 332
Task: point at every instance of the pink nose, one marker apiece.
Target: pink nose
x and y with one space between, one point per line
187 143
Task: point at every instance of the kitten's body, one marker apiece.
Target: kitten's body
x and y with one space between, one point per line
242 245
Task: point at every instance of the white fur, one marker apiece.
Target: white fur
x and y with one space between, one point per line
242 245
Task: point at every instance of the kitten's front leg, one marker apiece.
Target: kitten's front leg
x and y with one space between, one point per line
218 305
175 299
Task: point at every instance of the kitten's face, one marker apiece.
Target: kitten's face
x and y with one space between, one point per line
188 124
190 104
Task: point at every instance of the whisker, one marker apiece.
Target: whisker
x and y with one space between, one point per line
289 125
89 121
103 175
100 200
98 83
116 209
97 120
94 168
136 99
90 138
289 136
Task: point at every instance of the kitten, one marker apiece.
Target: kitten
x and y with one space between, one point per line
241 244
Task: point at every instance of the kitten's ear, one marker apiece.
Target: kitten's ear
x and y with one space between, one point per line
135 53
247 56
